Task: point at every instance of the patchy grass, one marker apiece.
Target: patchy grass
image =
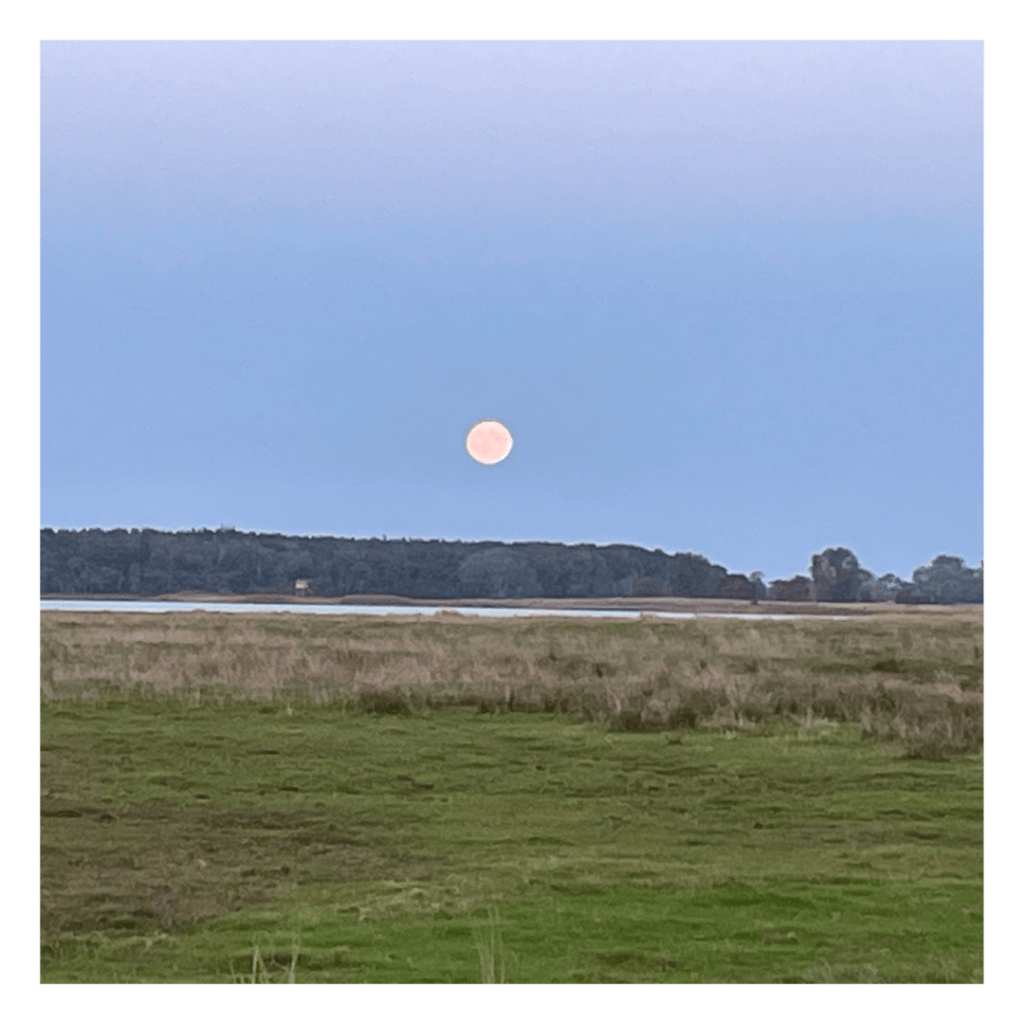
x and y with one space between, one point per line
288 828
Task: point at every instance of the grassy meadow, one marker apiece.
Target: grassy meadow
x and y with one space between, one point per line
279 797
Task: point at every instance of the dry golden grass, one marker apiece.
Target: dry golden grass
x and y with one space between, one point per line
915 676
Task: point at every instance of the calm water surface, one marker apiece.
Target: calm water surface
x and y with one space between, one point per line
367 609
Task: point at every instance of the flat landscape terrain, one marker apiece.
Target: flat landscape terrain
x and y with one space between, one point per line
691 605
273 797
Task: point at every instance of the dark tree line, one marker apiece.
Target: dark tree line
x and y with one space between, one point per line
150 562
226 561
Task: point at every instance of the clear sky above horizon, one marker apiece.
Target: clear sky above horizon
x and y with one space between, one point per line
727 297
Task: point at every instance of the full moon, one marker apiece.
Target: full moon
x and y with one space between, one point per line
489 442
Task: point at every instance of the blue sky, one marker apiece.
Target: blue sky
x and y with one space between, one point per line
726 296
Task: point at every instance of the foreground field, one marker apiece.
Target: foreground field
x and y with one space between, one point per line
330 794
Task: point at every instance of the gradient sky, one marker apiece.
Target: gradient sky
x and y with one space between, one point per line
726 296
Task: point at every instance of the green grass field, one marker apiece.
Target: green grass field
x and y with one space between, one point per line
379 809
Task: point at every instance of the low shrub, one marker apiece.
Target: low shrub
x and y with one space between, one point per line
385 702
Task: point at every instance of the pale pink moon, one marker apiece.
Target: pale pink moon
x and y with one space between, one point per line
489 442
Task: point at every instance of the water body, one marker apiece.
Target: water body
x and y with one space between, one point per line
367 609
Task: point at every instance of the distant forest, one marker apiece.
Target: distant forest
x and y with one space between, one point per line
226 561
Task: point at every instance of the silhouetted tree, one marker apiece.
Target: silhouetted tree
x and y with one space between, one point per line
948 581
837 576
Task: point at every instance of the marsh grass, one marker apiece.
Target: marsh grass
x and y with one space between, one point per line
932 723
916 681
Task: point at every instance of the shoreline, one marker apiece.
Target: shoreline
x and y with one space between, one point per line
694 605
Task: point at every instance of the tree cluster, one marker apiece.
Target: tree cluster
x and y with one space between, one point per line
836 575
